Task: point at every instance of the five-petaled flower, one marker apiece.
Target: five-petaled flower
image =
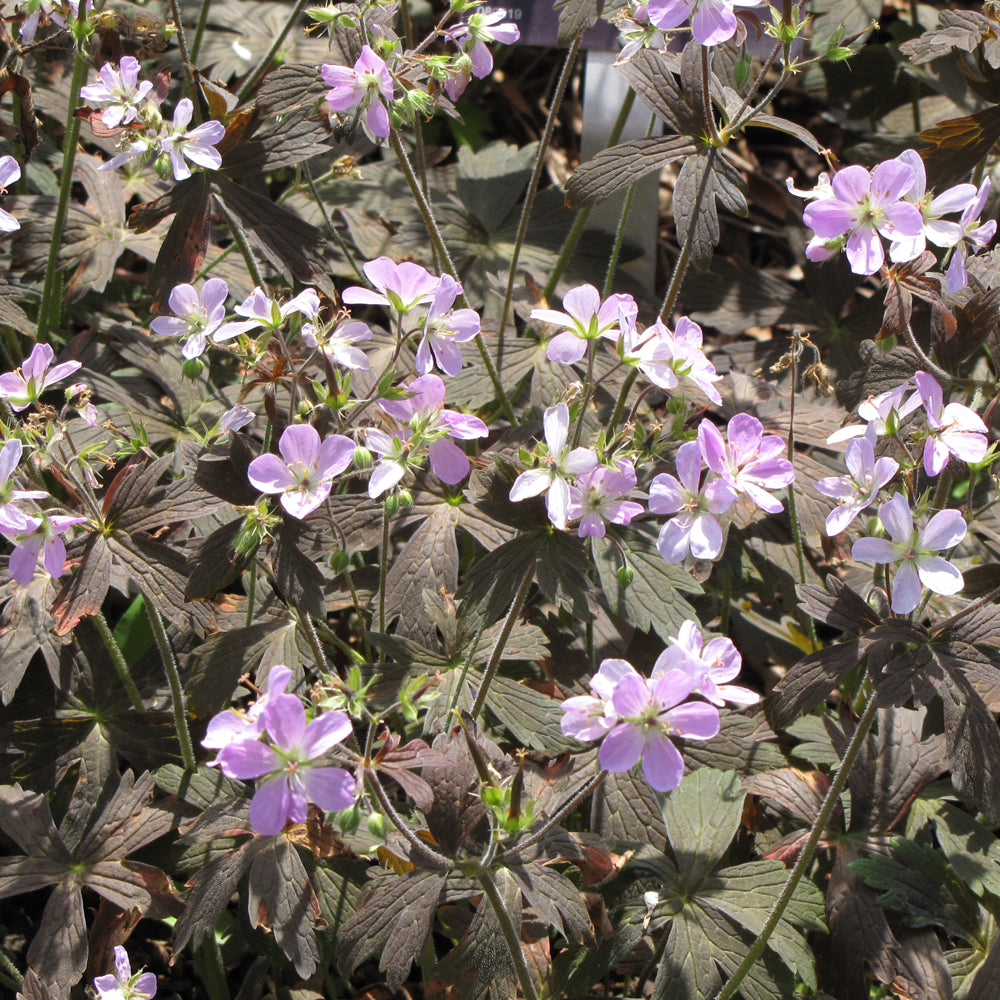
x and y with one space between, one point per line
914 550
367 83
23 387
586 318
199 317
304 474
711 664
954 429
118 92
196 144
122 984
712 21
400 287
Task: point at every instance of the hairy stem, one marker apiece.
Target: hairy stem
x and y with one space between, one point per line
513 615
190 85
529 197
261 68
211 968
680 267
199 31
489 884
48 311
118 659
174 679
11 969
383 567
809 849
400 824
242 242
314 644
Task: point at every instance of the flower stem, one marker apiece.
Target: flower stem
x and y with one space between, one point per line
118 659
261 68
48 311
587 392
11 969
517 605
314 644
805 858
240 237
383 569
529 197
199 31
190 86
489 884
622 399
399 823
211 969
173 678
680 268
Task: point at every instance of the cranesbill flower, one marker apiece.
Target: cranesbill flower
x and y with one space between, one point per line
480 29
696 530
971 233
232 726
25 386
589 717
263 311
864 205
914 550
43 542
712 21
651 713
586 318
53 9
367 84
123 985
199 317
13 520
338 344
118 91
400 287
292 770
445 328
855 491
598 496
954 429
885 412
711 664
560 464
305 477
10 171
748 460
196 144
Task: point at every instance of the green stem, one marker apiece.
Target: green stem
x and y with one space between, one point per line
529 197
580 222
11 969
211 968
488 882
242 242
118 659
383 569
517 605
680 269
809 849
261 68
314 644
400 824
199 31
173 678
190 86
622 400
251 591
48 311
588 390
334 231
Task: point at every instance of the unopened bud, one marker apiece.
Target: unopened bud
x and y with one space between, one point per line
363 458
350 819
625 576
377 825
193 367
339 561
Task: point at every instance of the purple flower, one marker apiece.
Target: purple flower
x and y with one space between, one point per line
235 419
262 311
367 83
400 287
597 496
671 359
651 714
25 386
863 206
586 318
711 664
53 11
338 344
306 475
42 541
747 460
480 29
954 429
197 144
13 520
123 985
10 171
712 21
696 530
231 726
914 549
972 233
885 412
589 717
199 317
445 328
855 491
118 92
293 776
559 465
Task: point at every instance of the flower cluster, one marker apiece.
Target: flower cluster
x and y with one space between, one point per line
858 208
275 742
638 717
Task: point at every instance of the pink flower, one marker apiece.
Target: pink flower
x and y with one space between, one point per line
198 317
560 464
13 520
291 768
586 318
10 171
712 21
232 726
367 83
748 460
696 530
262 311
597 496
118 92
25 386
864 205
444 329
711 664
400 287
43 542
589 717
651 714
123 985
338 343
480 29
914 549
196 144
885 412
305 477
954 429
972 233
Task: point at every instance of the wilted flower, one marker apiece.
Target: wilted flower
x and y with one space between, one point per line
366 84
477 31
954 429
235 419
10 171
199 317
53 10
196 144
123 985
400 287
711 664
914 549
586 318
25 386
305 477
118 91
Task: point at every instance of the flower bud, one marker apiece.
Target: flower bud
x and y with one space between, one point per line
625 576
377 825
339 561
193 367
363 458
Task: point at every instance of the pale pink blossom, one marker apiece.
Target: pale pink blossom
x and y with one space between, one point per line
366 84
711 664
599 496
586 318
25 386
954 429
196 144
400 287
